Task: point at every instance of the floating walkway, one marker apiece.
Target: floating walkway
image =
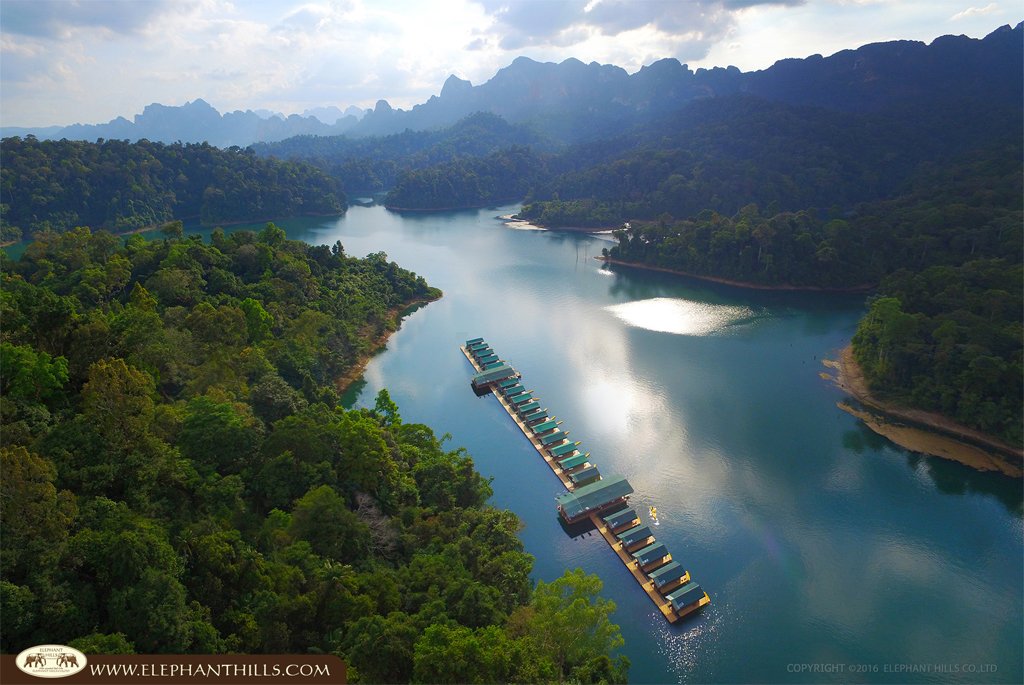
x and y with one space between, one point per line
601 499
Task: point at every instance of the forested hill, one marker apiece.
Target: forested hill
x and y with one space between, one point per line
947 332
120 186
177 475
377 163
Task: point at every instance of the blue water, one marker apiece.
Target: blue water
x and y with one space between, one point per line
829 554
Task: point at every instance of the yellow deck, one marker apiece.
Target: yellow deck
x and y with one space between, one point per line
664 606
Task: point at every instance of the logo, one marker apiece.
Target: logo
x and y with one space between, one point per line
50 661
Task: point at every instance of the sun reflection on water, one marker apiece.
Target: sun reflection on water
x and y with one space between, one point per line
678 316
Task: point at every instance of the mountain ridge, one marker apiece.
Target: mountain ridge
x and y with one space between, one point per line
572 100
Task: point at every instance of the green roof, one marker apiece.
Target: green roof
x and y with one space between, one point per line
528 407
685 595
474 341
584 476
620 518
562 450
574 461
487 359
514 390
545 426
522 398
493 365
635 535
495 374
650 553
593 496
478 346
535 416
664 575
508 383
550 438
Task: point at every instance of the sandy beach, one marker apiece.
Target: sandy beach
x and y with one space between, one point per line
523 225
922 431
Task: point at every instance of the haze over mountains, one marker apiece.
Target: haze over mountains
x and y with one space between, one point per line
574 101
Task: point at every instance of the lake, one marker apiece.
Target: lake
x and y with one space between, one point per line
829 554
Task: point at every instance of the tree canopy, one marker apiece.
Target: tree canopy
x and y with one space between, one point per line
177 475
122 186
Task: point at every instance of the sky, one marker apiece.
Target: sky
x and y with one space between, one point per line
89 61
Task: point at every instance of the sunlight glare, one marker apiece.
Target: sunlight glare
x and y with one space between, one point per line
681 317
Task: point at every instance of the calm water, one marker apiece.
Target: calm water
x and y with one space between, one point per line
819 543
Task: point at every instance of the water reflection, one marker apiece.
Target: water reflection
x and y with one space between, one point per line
681 317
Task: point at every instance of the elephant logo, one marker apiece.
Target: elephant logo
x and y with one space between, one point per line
35 660
50 661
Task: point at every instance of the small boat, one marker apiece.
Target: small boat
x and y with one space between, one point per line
654 516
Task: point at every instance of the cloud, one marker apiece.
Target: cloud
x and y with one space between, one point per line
53 19
975 11
691 27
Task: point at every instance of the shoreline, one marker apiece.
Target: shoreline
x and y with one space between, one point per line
427 210
345 380
922 431
152 227
864 288
526 223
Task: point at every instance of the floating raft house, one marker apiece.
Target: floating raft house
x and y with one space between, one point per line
620 519
601 499
581 502
574 461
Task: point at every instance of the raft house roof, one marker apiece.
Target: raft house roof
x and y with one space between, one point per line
535 416
650 553
562 450
557 436
522 398
513 390
686 595
545 426
666 574
508 382
593 496
635 535
574 461
620 518
528 407
474 341
584 476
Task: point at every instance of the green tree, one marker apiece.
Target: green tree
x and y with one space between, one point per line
36 517
100 643
322 518
30 375
381 648
117 400
257 321
570 624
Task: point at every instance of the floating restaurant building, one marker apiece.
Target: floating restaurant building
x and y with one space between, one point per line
593 498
